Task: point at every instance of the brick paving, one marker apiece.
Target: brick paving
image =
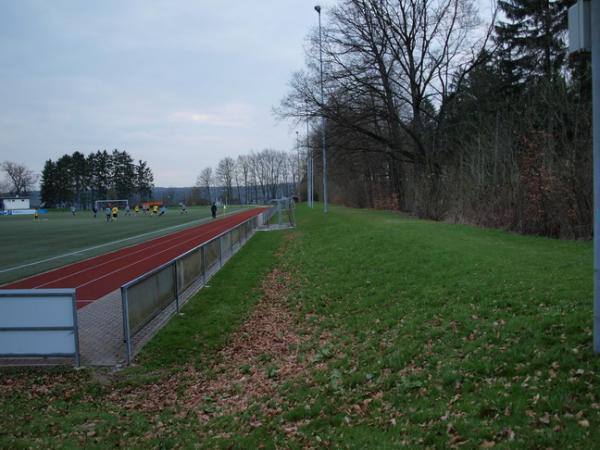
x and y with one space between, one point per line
101 341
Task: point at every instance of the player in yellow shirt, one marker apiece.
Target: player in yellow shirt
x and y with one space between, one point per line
155 210
137 210
115 213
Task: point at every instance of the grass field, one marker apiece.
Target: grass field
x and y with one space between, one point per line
26 241
382 331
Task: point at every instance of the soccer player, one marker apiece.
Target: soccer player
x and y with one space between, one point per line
107 212
73 210
213 210
36 215
137 210
95 211
183 208
162 211
127 210
115 213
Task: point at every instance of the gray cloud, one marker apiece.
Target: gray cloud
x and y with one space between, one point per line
180 84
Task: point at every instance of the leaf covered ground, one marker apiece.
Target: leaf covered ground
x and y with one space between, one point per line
360 329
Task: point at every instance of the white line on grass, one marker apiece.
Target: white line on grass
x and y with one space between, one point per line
65 255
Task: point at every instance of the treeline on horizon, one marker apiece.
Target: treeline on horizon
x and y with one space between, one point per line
251 178
425 115
80 180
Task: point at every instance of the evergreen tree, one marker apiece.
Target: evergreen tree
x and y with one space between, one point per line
82 180
123 174
48 192
80 176
531 42
100 164
62 180
144 180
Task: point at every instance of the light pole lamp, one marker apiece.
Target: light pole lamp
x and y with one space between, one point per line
318 10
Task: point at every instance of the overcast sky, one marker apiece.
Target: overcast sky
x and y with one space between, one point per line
178 83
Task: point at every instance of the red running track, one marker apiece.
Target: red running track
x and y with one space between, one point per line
95 277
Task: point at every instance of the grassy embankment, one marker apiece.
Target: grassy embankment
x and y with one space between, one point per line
405 332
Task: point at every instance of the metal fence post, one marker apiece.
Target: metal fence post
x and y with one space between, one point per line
176 274
221 251
203 257
126 333
76 330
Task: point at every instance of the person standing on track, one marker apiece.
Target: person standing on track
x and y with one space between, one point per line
107 213
213 210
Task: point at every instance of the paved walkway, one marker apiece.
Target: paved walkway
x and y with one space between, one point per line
101 341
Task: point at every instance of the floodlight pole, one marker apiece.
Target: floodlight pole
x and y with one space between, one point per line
595 29
318 10
309 168
298 170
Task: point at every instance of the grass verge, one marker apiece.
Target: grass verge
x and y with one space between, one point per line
408 333
101 408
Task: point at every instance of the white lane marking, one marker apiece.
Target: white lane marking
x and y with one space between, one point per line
120 269
167 239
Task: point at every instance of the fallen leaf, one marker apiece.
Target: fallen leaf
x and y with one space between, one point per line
584 423
545 419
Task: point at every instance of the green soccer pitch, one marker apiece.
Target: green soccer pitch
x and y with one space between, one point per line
59 238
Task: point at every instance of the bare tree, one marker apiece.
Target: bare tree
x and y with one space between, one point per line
243 168
20 179
391 68
225 174
4 186
205 179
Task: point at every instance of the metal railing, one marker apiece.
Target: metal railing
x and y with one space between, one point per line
147 296
282 206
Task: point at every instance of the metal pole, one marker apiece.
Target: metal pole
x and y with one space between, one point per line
76 330
596 131
126 331
312 180
176 275
221 252
203 252
298 153
318 9
309 181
